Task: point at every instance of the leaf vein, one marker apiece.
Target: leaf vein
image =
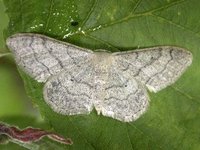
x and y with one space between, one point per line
49 15
150 138
177 25
129 17
102 41
184 94
21 14
136 6
81 134
89 14
129 137
4 54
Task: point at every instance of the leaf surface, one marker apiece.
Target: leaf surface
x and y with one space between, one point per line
172 120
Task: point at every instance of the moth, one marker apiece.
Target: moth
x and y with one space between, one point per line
78 79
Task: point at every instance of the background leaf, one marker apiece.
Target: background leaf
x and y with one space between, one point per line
11 88
171 121
3 24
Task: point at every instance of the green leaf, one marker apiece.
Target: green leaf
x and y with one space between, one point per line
3 24
4 54
11 87
11 93
172 120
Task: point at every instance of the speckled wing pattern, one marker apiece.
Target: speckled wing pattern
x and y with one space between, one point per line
125 98
77 80
71 92
156 67
41 57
